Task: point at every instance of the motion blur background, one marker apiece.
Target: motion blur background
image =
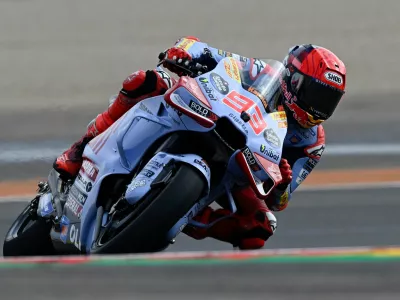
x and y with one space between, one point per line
61 60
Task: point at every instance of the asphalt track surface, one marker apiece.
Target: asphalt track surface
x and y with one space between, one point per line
353 281
314 219
61 60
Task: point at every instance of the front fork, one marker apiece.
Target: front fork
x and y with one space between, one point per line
50 198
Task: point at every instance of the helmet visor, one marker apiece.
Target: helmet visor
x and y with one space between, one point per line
318 98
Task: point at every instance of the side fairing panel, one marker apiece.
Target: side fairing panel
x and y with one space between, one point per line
115 151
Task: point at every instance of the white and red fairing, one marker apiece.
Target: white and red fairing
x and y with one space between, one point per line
232 104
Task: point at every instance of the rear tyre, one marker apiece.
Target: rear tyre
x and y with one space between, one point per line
158 212
28 237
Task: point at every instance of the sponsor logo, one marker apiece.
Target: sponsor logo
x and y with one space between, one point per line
74 236
232 69
131 77
240 122
220 84
250 159
136 183
236 72
77 194
268 152
82 181
316 152
201 163
290 100
209 91
230 54
167 79
278 116
199 109
155 164
260 65
282 124
228 70
334 77
146 172
221 52
310 164
90 170
74 206
272 138
302 176
318 114
145 108
185 44
89 187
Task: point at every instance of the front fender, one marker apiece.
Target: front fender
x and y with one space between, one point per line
141 184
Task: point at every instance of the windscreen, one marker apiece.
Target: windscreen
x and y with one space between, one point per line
266 85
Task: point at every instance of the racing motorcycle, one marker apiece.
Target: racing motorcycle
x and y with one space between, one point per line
145 178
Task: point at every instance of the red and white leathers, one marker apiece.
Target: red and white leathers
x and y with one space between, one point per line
253 223
136 87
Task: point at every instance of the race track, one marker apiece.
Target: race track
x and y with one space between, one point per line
314 219
61 60
332 281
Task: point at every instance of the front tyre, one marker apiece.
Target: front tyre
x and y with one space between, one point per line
156 214
28 236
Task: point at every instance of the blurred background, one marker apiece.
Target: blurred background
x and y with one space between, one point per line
60 61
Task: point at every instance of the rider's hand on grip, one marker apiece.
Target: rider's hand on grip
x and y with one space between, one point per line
286 172
179 57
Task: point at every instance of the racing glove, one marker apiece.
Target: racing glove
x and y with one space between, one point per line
180 56
286 172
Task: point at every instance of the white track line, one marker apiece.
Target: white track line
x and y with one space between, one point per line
21 153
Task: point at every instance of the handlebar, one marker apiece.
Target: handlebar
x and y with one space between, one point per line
191 69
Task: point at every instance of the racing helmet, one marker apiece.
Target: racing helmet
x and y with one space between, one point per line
312 84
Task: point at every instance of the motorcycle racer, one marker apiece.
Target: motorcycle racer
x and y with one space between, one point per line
309 92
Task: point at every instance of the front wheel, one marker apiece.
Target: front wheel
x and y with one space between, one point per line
149 222
28 236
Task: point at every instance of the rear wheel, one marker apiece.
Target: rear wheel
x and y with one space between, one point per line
145 228
28 236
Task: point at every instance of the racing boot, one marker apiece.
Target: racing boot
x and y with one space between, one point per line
136 87
249 228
